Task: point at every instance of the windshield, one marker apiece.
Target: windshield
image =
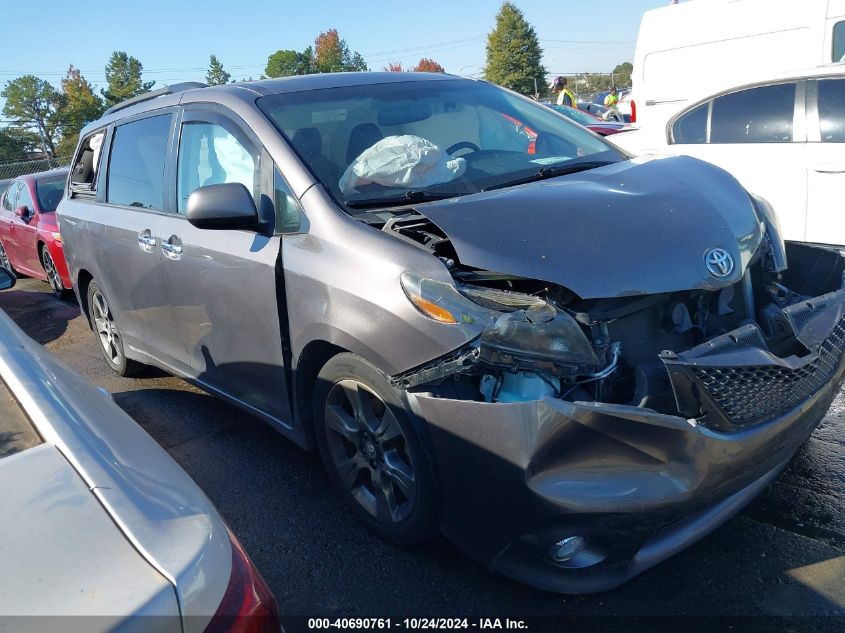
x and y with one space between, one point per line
50 191
425 139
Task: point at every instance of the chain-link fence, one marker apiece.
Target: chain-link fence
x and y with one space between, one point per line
13 169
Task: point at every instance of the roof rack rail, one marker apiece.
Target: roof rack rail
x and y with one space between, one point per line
152 94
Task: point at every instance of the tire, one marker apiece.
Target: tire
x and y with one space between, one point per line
108 336
374 452
53 277
5 262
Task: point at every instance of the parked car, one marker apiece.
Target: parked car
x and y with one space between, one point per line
728 44
572 363
99 521
30 242
783 138
594 124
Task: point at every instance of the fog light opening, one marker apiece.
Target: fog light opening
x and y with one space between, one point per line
566 549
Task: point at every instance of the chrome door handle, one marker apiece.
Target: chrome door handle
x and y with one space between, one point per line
146 241
172 247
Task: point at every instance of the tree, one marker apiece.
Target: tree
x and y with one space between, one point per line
286 63
15 144
33 105
80 105
216 75
332 54
622 74
394 67
514 56
427 65
123 74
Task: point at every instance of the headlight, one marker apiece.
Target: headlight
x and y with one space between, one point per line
57 236
516 330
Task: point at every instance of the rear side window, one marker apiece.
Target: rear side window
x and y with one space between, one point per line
691 128
838 42
832 110
757 115
9 196
83 175
136 163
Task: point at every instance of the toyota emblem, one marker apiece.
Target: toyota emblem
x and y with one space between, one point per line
719 262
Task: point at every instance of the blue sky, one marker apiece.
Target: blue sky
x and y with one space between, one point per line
174 38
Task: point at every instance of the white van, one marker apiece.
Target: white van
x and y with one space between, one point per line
704 46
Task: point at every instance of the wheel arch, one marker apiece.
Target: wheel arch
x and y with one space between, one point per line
83 280
310 361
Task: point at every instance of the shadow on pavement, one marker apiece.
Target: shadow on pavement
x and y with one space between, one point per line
41 315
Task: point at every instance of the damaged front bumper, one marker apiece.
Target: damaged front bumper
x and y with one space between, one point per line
633 485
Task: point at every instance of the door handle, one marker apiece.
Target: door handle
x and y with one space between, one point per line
146 241
830 168
172 247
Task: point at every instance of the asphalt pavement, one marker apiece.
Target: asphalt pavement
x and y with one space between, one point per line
779 565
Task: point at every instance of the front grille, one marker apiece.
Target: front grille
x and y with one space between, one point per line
746 394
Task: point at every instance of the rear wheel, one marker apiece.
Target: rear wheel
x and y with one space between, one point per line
373 451
4 259
53 276
108 334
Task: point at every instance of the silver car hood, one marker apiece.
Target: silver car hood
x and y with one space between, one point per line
640 226
157 506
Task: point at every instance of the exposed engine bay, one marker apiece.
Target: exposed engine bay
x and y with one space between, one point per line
727 357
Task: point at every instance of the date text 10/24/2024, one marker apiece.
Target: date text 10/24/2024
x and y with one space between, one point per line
387 624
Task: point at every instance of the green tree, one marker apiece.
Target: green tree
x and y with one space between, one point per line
622 74
34 105
216 75
80 105
514 56
286 63
332 54
123 74
15 144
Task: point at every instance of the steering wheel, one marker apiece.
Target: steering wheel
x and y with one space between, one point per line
462 145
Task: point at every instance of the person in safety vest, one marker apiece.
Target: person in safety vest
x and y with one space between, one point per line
612 98
564 95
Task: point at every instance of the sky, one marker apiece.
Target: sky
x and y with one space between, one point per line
174 38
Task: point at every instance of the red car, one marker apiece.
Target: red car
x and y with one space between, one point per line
30 242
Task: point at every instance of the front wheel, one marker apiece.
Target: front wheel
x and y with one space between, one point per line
53 276
373 451
108 334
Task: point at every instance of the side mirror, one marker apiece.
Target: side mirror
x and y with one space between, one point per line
225 206
7 278
22 211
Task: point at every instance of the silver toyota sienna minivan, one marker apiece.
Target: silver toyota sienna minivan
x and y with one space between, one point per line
488 320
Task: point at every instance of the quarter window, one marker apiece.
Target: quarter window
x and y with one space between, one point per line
24 199
756 115
832 110
211 155
289 215
691 128
136 164
838 42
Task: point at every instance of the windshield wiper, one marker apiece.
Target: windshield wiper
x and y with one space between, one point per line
392 201
552 171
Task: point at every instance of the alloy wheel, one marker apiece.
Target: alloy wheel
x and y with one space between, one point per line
106 328
370 452
52 273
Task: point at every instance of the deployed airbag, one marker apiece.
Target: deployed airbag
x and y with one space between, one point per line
406 161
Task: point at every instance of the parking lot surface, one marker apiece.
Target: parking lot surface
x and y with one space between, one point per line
782 557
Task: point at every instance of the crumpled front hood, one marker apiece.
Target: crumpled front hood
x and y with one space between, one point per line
641 226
